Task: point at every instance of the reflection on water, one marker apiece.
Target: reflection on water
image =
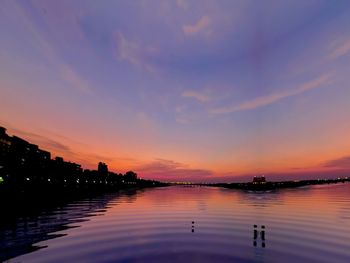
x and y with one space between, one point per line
259 235
189 224
19 234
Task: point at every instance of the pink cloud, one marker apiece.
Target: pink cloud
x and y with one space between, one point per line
133 52
274 97
200 26
168 170
182 4
46 46
341 50
340 163
70 76
195 95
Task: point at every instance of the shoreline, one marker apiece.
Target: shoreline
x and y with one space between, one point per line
270 186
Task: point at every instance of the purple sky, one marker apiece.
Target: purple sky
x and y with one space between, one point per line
181 90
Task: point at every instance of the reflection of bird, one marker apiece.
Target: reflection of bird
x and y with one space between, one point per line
255 232
260 233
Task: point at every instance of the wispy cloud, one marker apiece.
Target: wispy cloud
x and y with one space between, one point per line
182 4
133 52
341 163
171 170
57 148
70 76
181 116
43 141
274 97
195 95
182 120
47 47
200 26
145 121
179 109
341 50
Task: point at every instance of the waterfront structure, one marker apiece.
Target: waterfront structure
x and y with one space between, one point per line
259 180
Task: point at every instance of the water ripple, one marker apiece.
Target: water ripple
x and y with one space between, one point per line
182 224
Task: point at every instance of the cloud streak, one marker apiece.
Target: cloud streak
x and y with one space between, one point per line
200 26
182 4
274 97
46 47
341 163
341 50
171 170
132 52
195 95
71 77
62 149
43 141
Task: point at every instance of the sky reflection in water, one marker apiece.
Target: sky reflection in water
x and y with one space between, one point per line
200 224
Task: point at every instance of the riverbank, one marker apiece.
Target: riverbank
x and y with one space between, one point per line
267 186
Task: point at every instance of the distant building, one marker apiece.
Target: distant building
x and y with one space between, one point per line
20 154
259 179
44 154
5 144
102 169
59 159
24 164
130 176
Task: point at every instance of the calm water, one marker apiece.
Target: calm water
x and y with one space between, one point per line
192 224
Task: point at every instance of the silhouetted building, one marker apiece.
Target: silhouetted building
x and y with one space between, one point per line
25 166
130 176
5 144
59 160
65 172
5 140
102 169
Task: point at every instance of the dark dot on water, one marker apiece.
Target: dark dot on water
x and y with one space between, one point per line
262 226
255 226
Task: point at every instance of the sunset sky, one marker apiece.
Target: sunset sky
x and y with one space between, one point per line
181 90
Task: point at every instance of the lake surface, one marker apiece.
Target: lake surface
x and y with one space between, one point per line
190 224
